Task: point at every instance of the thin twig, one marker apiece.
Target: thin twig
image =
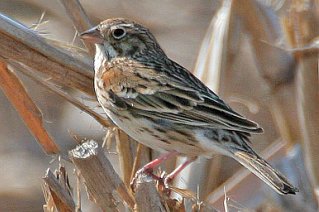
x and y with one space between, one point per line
79 18
78 191
141 151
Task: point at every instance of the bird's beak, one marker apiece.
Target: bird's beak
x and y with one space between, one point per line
92 35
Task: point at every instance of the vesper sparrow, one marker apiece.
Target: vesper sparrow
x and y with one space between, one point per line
163 106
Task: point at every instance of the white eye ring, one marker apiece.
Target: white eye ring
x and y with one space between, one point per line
118 33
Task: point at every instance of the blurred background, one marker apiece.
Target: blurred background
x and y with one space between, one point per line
250 55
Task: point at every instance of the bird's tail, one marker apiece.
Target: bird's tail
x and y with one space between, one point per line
264 171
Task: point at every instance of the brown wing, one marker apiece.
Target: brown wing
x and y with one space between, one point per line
160 95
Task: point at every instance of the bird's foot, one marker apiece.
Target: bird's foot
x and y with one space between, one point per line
167 181
147 170
164 184
163 181
141 175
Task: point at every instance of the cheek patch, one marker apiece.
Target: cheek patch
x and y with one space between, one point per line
110 50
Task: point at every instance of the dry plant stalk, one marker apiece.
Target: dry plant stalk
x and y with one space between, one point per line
212 58
141 152
125 155
58 190
20 44
143 155
29 112
99 176
197 204
50 86
146 196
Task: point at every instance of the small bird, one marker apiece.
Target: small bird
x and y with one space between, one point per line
162 105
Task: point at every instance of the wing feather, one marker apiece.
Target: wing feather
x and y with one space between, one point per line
177 97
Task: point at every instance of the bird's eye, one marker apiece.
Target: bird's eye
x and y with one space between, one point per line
118 33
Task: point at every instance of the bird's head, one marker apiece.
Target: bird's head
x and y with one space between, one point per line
122 38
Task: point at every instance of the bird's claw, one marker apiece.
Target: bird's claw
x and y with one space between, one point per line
141 174
166 181
163 181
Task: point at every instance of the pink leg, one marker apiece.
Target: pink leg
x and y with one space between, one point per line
154 163
176 171
148 168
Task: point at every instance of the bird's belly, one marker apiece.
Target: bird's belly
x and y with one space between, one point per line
139 129
143 131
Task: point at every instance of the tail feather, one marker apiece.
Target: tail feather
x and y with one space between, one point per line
264 171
